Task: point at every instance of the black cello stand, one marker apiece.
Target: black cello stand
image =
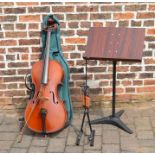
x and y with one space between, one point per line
86 113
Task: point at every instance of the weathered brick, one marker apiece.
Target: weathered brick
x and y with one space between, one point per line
39 9
20 26
14 10
135 7
8 18
149 61
86 8
111 24
96 69
123 23
16 34
76 70
29 42
13 79
1 35
29 18
77 16
150 68
94 16
85 24
149 82
126 82
8 43
149 23
33 26
146 15
67 32
51 3
80 77
135 23
151 31
26 3
152 46
135 68
2 65
111 8
62 8
17 64
123 16
75 55
18 49
75 40
145 89
146 75
6 4
73 24
8 27
149 38
97 24
151 7
137 82
8 72
82 32
130 90
34 34
81 47
123 76
12 86
14 93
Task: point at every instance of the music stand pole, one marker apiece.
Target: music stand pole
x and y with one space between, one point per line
113 119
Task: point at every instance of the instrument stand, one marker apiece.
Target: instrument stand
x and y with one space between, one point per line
86 112
92 132
113 119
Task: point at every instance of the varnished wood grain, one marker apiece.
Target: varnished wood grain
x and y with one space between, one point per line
110 43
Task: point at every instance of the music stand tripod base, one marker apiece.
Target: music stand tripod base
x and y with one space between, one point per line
114 120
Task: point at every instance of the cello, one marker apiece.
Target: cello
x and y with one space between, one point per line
46 112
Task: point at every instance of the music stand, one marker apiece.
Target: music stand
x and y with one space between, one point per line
115 44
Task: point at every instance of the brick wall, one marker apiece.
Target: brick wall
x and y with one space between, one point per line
20 25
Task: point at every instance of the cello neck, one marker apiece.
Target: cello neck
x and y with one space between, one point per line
46 59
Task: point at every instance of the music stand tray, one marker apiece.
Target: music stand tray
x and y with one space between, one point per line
115 44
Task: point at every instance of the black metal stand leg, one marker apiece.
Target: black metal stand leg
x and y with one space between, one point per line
113 119
92 132
81 130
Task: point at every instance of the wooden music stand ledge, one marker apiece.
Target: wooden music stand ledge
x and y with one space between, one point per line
115 44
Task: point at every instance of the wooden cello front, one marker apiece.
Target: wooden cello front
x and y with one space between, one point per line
46 112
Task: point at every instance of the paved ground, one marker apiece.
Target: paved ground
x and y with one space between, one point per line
139 117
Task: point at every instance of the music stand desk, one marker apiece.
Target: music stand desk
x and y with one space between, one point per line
115 44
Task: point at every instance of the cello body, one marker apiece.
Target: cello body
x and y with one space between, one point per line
56 115
46 112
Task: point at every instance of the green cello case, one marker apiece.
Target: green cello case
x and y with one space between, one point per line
56 54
